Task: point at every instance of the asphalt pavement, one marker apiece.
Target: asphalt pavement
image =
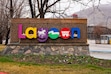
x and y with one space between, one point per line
101 51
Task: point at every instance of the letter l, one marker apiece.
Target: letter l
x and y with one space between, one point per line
20 35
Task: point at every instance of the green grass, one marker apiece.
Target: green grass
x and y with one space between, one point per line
56 64
5 59
21 68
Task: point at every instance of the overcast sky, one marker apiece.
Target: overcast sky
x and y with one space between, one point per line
73 6
77 6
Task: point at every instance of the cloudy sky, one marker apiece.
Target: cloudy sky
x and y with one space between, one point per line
73 6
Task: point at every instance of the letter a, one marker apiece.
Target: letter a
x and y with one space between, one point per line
30 36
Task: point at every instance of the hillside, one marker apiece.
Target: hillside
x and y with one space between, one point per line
97 15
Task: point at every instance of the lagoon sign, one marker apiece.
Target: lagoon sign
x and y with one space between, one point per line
48 37
33 31
42 34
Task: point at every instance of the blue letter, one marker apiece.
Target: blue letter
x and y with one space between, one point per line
75 32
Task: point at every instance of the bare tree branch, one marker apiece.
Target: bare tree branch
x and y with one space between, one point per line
51 5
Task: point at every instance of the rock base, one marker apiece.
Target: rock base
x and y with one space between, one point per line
76 50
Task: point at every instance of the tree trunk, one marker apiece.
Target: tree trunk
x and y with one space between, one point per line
0 39
11 9
31 8
42 15
7 36
11 16
41 10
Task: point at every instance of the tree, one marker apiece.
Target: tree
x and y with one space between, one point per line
43 7
9 9
100 30
11 16
3 20
38 8
0 39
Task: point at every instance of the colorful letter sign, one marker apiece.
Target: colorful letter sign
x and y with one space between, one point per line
53 33
42 34
75 33
65 33
33 35
20 35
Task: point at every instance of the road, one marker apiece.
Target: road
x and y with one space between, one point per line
101 51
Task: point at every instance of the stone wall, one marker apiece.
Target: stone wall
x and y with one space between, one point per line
48 49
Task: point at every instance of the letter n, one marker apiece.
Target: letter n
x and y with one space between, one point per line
75 33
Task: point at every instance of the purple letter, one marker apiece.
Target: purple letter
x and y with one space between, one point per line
42 34
20 35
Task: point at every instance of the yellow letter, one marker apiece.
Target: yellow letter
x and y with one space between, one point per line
30 36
